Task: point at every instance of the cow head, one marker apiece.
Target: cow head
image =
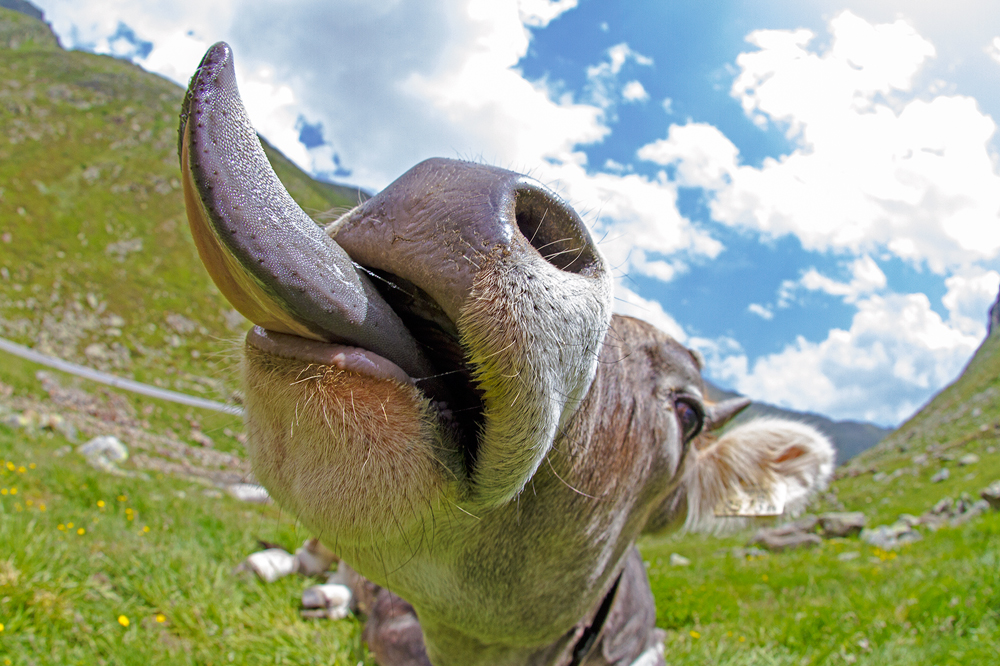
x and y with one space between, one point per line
436 387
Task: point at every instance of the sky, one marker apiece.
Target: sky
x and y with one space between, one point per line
805 191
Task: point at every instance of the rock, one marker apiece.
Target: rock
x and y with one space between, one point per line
968 459
104 453
941 475
749 553
841 523
920 459
991 494
249 492
677 560
849 555
270 564
314 558
890 537
201 439
908 519
333 600
970 511
108 446
778 541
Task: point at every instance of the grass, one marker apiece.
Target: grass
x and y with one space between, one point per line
97 265
99 569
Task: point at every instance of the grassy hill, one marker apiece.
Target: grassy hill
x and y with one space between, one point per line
97 266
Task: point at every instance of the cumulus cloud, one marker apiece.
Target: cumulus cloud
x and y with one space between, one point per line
876 164
895 354
634 92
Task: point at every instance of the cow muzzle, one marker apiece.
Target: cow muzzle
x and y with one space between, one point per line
438 279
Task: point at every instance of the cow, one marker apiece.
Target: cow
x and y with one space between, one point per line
436 386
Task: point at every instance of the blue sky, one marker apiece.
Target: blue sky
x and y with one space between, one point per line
807 192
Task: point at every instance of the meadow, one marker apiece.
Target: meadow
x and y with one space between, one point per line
97 266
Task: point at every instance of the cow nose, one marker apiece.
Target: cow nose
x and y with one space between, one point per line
443 221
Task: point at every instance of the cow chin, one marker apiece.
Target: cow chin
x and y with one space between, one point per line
352 456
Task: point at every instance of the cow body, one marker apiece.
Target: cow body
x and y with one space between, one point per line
461 418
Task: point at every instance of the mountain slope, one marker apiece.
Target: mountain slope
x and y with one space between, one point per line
97 264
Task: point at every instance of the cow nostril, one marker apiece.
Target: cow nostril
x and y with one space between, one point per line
554 230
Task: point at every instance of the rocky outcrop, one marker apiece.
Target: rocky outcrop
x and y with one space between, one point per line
993 324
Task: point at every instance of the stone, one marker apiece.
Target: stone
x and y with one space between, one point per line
842 523
970 511
104 453
270 565
991 494
968 459
778 541
890 537
849 555
333 599
314 558
941 475
677 560
920 459
249 492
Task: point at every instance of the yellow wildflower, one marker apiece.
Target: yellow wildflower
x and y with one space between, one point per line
145 528
122 620
160 617
694 634
100 504
21 470
122 498
3 491
69 526
32 466
41 507
13 491
10 466
81 531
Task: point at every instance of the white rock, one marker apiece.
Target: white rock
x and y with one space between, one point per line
108 446
677 560
942 475
314 558
249 492
333 597
272 564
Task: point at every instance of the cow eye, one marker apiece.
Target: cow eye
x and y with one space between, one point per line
690 416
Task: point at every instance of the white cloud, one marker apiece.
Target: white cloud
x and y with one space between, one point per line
634 92
875 164
969 297
993 49
602 78
629 303
539 13
895 354
761 311
867 277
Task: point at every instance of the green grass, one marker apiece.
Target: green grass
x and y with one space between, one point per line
87 168
82 549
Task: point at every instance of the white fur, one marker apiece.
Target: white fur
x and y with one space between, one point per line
759 454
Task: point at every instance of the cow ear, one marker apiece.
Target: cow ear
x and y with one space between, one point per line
766 467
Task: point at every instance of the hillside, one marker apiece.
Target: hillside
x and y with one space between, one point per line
97 264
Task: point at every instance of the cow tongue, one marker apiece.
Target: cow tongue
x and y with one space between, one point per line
269 259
